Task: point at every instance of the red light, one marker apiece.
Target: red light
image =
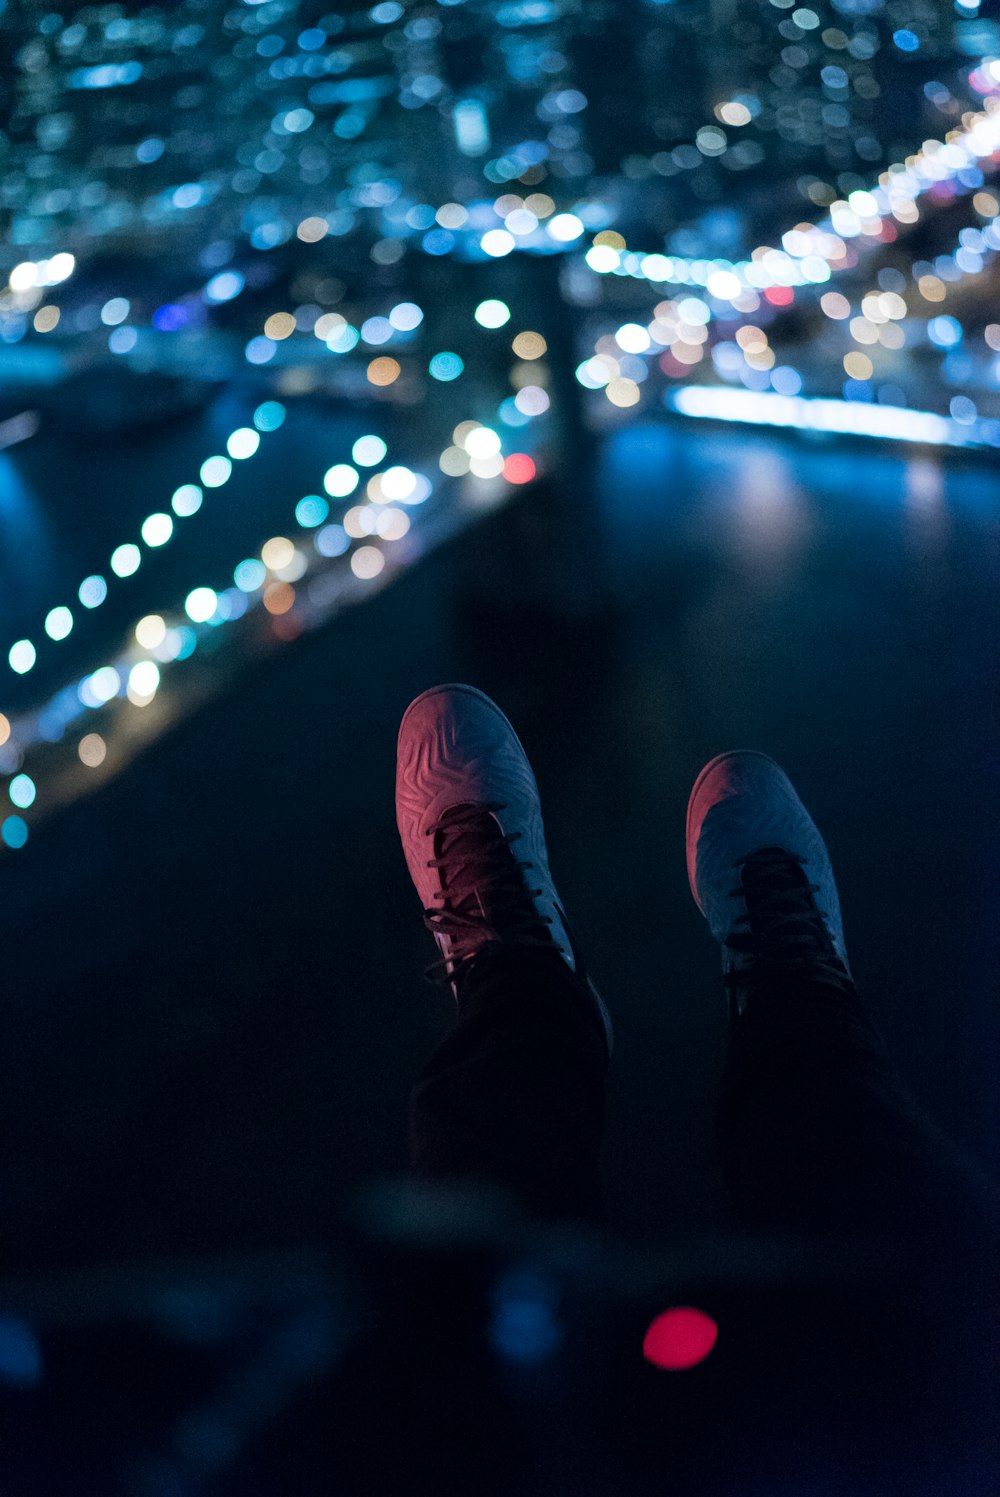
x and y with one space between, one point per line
780 296
287 626
519 468
680 1337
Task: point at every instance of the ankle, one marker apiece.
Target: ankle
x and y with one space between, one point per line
505 967
772 982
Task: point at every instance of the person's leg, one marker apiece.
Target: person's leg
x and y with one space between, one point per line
815 1127
514 1095
816 1131
515 1092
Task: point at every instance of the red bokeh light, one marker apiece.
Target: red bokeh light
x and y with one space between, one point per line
287 626
519 468
780 296
681 1337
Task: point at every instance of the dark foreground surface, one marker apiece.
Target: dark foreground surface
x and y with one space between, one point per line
213 1012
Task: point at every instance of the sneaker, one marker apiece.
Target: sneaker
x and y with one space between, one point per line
761 875
465 794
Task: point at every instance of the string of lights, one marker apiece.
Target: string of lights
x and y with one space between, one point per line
678 336
282 577
155 531
811 253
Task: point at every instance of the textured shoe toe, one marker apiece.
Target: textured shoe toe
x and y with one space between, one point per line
739 797
448 739
456 747
741 802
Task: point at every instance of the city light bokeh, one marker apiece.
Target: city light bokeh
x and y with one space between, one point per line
456 222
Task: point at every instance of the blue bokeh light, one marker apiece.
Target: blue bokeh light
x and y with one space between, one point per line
14 831
224 286
249 575
332 540
93 591
311 511
269 416
445 367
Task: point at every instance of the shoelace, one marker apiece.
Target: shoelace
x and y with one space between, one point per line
481 874
786 932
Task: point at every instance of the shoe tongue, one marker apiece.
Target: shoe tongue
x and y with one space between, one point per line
773 863
469 828
785 931
490 884
779 899
464 811
467 831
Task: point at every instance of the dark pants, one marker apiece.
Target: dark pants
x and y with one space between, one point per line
818 1139
815 1130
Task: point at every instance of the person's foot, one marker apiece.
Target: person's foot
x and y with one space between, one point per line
465 793
761 875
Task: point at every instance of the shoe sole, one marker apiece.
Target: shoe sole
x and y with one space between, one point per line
709 767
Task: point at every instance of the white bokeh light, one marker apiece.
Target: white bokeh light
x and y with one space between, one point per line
157 529
200 604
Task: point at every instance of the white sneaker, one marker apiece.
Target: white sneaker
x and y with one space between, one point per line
464 793
747 827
